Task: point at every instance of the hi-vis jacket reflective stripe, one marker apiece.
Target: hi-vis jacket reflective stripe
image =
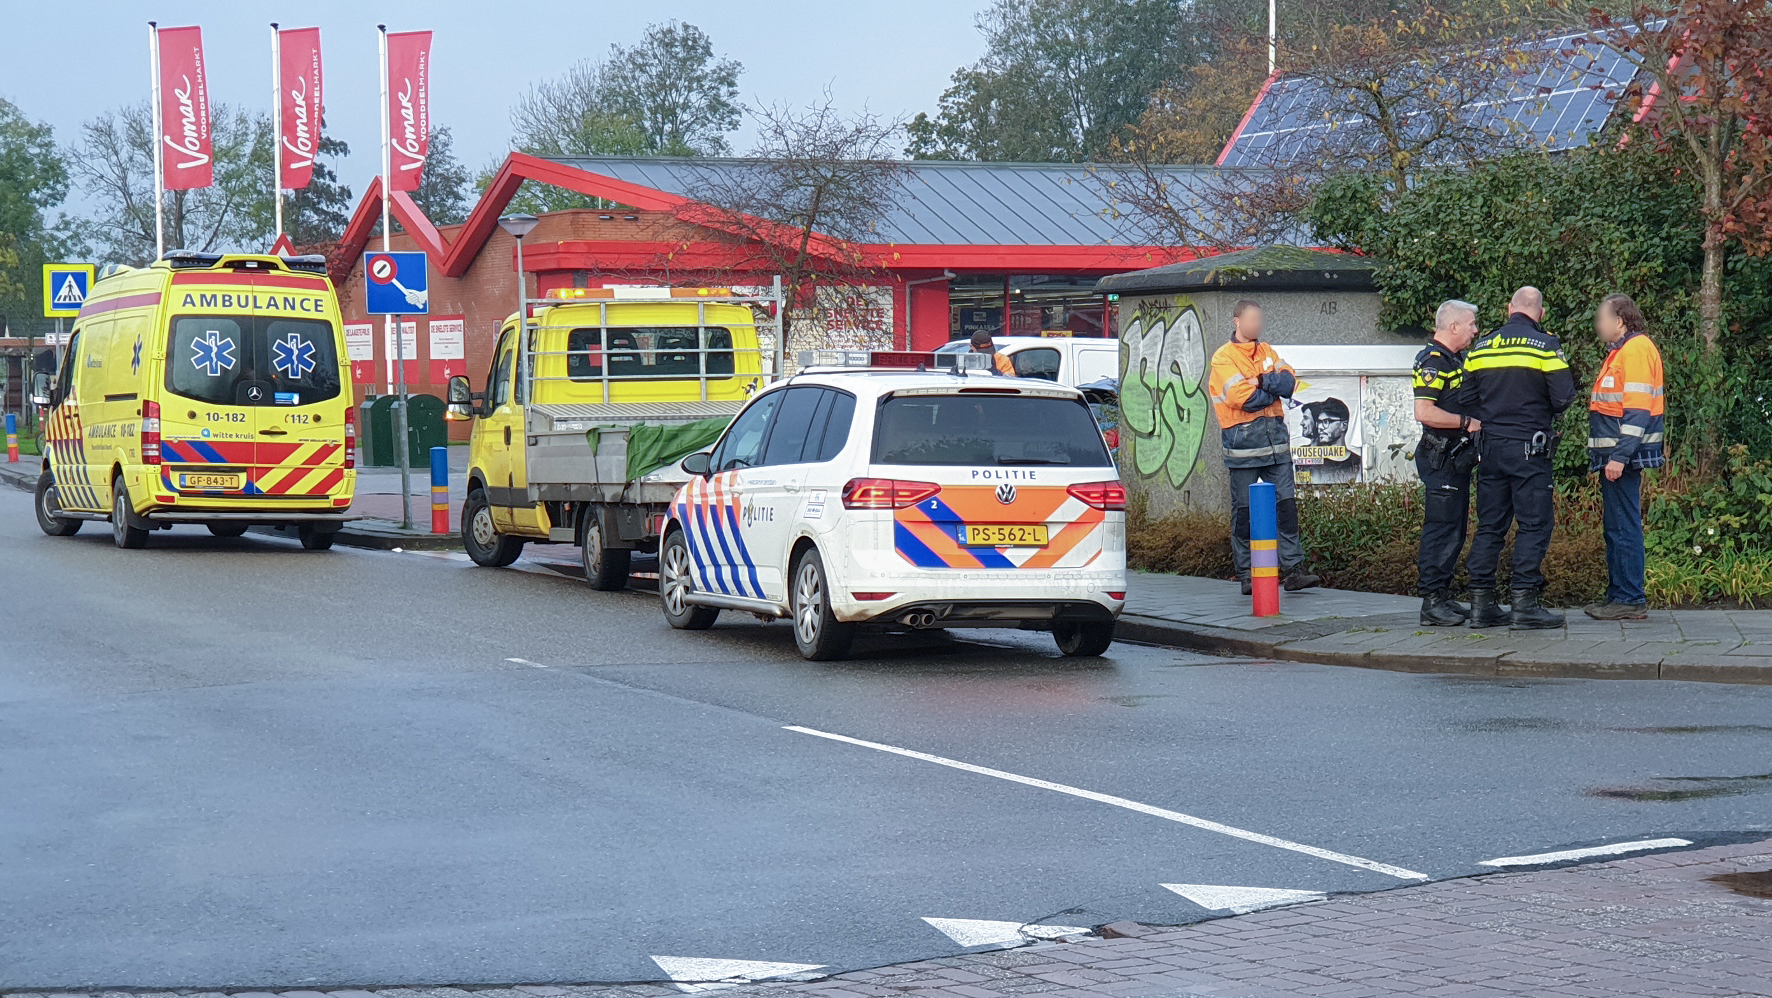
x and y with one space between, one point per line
1516 380
1625 419
1439 375
1252 422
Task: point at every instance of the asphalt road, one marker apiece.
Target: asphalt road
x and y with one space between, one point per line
233 763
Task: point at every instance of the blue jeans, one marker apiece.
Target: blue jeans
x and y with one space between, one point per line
1624 537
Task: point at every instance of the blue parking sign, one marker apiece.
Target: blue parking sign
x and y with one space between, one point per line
397 284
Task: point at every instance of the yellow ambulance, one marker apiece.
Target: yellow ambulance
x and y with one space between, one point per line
208 389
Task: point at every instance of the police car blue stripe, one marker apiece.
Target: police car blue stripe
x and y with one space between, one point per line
707 518
744 555
914 549
697 562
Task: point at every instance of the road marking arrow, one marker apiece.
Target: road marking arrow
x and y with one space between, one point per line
984 932
1615 849
695 973
1240 900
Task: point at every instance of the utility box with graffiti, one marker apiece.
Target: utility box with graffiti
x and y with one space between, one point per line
1352 418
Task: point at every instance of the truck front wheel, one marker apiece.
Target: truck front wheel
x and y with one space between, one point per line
482 540
606 569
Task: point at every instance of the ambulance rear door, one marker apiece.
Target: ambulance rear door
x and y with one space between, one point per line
301 418
209 410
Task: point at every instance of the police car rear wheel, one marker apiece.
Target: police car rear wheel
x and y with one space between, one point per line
819 634
49 504
606 569
482 540
122 532
1083 640
675 584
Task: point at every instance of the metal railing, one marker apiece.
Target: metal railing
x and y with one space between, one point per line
765 326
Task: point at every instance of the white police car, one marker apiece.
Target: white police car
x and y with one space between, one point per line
843 498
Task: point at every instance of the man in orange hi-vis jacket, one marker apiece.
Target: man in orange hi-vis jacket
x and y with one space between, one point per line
1624 434
1249 384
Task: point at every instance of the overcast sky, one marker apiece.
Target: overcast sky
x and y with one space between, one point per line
64 63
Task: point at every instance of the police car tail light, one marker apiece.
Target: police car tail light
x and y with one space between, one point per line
1101 495
350 436
885 493
150 433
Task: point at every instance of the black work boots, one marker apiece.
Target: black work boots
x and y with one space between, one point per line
1528 615
1485 612
1438 609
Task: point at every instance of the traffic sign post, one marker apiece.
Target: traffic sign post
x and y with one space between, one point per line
65 286
398 284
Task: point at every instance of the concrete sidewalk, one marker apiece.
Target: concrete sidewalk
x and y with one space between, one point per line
1696 922
1377 631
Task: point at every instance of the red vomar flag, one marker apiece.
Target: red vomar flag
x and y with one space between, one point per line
409 111
299 94
184 110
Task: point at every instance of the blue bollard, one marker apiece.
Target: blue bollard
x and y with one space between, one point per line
439 490
1264 549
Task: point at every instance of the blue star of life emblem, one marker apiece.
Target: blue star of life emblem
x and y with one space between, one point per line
135 360
293 356
212 355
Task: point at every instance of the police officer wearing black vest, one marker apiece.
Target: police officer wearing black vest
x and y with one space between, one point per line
1444 460
1517 382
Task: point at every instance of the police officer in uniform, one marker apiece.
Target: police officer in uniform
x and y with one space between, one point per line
1517 382
1444 460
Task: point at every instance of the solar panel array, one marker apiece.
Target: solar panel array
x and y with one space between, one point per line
1563 97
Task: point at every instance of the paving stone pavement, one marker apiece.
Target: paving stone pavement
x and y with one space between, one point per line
1379 631
1657 926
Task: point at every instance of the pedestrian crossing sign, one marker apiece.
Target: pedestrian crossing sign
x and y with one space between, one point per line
64 288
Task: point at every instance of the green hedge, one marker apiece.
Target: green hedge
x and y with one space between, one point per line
1709 539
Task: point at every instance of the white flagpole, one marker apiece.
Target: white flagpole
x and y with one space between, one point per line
401 443
159 161
1272 25
277 128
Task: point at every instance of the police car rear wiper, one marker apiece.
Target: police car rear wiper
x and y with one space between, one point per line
1029 460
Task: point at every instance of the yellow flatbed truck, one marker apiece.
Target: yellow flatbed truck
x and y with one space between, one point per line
591 400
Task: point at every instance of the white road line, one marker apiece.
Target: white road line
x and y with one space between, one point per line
1130 805
1240 900
985 932
1568 854
694 974
524 661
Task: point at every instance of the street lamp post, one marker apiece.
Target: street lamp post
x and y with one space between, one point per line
519 226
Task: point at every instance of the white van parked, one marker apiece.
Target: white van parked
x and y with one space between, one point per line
1069 360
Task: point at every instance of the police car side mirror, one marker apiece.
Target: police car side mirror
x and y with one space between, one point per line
698 464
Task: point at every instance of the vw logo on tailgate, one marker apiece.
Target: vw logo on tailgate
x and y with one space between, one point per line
1006 493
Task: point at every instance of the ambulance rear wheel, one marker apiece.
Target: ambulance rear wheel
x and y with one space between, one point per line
675 583
1085 639
817 631
315 539
226 528
48 505
125 534
482 540
606 569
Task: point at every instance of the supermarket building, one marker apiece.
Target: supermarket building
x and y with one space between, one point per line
1013 248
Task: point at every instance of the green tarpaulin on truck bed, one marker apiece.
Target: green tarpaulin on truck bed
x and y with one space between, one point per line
653 445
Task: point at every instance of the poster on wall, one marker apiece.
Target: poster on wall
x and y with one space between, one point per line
448 335
1326 438
847 318
409 350
360 351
